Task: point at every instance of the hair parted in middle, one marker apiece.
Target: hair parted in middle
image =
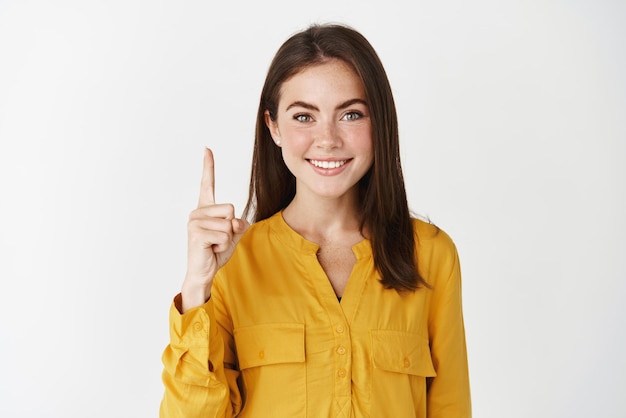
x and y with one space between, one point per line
382 195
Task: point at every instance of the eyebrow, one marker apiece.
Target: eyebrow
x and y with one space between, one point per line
343 105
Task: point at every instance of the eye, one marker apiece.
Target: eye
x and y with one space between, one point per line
352 115
302 117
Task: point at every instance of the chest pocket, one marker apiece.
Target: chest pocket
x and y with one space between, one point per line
401 364
261 345
273 369
401 352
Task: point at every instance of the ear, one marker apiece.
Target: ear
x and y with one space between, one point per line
272 125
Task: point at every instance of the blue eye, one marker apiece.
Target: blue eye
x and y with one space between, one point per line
302 118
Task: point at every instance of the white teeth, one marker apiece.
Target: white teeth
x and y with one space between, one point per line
328 164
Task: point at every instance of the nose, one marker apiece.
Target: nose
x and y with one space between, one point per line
328 136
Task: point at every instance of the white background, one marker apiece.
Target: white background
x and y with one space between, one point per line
513 132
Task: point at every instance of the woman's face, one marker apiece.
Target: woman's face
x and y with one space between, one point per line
324 129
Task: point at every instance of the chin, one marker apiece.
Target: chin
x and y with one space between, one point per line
335 193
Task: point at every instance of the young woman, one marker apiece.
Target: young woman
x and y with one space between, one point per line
335 302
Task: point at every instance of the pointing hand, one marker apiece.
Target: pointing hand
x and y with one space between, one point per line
213 233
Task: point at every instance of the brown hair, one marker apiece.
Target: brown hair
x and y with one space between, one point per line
381 191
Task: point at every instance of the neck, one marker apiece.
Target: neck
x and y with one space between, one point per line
320 220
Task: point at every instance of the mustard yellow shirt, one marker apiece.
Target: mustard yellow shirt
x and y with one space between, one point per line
274 341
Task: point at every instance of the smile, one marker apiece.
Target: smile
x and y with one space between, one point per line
328 164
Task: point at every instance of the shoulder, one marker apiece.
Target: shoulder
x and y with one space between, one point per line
258 231
250 255
435 251
429 234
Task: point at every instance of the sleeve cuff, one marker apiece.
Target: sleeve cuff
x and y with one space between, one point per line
191 328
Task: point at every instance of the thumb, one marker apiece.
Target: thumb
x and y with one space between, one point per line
240 226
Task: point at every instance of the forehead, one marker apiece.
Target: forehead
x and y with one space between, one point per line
329 80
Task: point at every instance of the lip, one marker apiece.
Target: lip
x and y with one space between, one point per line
329 166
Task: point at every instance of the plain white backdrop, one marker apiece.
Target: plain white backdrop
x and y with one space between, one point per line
513 133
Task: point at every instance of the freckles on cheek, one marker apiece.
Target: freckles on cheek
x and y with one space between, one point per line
295 136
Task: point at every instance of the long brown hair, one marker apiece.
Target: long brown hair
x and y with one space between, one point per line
381 191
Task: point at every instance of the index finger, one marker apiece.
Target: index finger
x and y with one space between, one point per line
207 185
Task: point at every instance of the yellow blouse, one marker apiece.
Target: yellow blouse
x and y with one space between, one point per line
274 341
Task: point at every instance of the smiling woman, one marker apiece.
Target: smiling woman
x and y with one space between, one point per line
324 129
335 302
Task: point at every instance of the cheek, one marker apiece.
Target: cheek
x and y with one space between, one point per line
361 140
296 139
